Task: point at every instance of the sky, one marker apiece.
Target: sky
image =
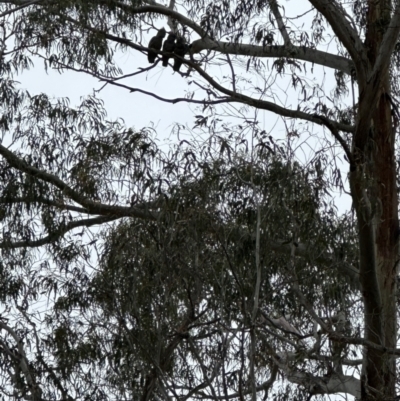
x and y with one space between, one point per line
139 110
136 109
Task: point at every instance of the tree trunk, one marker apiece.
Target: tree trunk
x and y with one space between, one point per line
373 185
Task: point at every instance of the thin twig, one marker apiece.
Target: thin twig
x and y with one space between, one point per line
233 72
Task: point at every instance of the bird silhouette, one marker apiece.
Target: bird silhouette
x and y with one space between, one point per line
155 43
168 46
180 50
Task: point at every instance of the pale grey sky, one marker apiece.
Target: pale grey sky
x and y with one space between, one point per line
139 110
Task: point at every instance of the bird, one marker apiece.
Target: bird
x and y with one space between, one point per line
180 50
155 43
168 46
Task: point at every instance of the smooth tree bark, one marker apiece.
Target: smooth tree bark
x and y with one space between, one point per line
374 193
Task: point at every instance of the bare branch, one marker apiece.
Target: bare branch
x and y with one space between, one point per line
301 53
206 43
345 32
132 89
232 71
282 28
335 132
269 106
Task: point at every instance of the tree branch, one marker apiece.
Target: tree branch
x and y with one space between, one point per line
235 96
386 48
265 386
45 201
336 383
167 353
19 7
335 132
303 250
298 52
160 9
23 364
131 89
345 33
91 206
294 357
372 91
282 28
207 43
52 237
269 106
50 371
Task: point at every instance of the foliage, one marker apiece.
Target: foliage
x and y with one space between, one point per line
219 268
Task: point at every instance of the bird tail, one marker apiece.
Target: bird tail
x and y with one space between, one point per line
177 65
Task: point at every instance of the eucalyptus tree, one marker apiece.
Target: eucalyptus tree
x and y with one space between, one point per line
219 269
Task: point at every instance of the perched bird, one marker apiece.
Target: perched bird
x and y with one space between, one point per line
168 46
180 50
155 43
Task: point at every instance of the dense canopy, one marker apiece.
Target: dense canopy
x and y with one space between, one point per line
220 267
